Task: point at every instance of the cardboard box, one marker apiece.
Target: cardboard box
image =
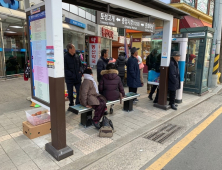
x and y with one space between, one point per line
36 131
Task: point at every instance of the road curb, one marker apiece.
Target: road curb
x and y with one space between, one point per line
101 153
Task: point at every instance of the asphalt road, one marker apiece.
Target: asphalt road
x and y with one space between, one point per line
202 153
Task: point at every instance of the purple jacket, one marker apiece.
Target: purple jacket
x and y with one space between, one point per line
110 85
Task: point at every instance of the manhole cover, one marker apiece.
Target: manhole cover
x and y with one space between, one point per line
163 133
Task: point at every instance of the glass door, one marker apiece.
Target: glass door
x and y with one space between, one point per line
191 63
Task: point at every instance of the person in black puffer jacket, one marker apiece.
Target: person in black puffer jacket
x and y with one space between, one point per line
102 63
120 66
110 85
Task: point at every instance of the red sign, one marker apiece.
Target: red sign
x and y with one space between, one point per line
107 33
94 39
136 39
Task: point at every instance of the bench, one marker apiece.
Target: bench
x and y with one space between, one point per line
86 113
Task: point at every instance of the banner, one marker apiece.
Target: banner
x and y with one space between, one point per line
94 50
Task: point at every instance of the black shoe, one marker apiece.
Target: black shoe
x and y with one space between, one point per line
173 107
150 97
97 125
105 113
155 101
136 100
176 105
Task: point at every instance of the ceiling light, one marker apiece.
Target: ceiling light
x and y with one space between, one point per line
10 32
15 26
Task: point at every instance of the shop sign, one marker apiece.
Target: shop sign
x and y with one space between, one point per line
106 33
91 28
94 49
115 36
122 40
136 39
196 34
76 23
12 4
123 22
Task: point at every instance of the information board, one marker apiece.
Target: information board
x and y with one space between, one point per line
40 80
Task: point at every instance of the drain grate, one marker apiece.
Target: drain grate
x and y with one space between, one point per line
163 133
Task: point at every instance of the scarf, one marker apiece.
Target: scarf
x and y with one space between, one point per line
89 77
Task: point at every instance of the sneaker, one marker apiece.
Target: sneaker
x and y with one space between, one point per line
150 97
96 124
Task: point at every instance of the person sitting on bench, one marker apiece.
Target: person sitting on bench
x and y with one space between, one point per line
90 97
110 85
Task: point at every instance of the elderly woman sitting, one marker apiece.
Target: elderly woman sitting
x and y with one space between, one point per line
90 97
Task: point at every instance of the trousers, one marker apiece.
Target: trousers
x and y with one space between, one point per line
153 89
172 95
70 92
122 79
99 110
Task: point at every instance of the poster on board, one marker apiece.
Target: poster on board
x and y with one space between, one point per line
38 53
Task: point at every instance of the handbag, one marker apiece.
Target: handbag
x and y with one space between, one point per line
107 128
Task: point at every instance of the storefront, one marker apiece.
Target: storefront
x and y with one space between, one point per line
198 59
13 43
13 39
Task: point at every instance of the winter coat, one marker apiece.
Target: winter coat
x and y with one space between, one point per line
133 73
151 61
174 76
101 65
88 95
72 67
110 85
120 65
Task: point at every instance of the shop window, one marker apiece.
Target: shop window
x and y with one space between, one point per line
211 12
13 47
202 5
121 31
188 2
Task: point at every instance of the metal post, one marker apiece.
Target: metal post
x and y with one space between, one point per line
219 41
214 62
3 52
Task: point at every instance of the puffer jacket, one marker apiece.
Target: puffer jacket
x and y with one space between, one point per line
110 85
120 65
88 95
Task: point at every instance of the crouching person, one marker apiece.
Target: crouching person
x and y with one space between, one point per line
90 97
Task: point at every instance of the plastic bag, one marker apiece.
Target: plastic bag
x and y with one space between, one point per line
153 77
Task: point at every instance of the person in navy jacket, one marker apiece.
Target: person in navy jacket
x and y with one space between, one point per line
174 78
133 72
73 74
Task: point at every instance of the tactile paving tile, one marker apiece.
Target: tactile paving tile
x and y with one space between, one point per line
4 138
105 141
80 134
90 144
14 135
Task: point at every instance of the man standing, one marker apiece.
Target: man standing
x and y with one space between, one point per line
174 78
73 75
102 63
133 72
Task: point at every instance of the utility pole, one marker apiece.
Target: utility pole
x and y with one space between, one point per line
220 59
214 61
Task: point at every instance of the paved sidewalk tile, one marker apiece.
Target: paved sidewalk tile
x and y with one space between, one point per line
8 166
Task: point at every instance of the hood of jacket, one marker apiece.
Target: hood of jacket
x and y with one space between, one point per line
109 74
121 58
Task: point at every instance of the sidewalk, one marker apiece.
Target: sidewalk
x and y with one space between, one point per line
19 152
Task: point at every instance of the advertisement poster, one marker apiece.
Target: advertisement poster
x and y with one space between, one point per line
40 80
50 57
94 49
153 77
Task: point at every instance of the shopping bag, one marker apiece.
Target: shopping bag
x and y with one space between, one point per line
153 77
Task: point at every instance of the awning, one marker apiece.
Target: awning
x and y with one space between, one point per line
206 24
190 22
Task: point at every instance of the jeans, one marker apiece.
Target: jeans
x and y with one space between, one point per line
70 92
